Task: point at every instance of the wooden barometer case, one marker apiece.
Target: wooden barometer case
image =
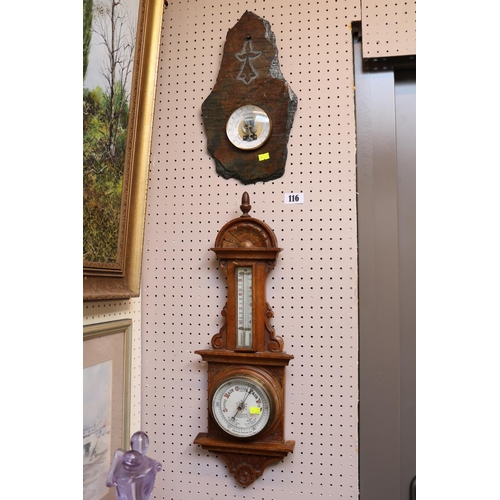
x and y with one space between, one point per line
246 364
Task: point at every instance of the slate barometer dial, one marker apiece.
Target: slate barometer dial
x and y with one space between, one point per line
246 365
248 127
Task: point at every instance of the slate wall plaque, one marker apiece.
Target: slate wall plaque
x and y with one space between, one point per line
250 74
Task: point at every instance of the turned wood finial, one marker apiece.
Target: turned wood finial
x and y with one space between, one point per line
245 204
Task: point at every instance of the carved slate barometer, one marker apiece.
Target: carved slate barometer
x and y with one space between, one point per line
246 365
249 113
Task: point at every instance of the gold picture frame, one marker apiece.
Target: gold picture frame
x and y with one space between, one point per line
107 351
119 277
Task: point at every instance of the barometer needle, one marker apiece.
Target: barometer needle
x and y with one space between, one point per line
241 405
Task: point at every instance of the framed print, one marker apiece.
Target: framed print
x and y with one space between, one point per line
106 402
120 61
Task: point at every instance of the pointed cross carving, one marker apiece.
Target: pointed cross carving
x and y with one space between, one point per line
247 71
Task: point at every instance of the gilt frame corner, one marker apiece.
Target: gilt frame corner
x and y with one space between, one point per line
121 278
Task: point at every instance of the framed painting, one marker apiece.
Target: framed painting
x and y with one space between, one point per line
121 40
106 402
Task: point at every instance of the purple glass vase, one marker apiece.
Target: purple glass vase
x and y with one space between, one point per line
132 472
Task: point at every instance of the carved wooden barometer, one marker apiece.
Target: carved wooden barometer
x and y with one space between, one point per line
246 365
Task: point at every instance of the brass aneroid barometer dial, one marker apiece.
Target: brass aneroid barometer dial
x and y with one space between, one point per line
241 405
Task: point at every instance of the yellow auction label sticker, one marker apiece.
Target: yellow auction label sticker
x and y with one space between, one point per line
264 156
254 410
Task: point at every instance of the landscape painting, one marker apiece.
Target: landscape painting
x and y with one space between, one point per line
109 38
96 429
106 401
121 45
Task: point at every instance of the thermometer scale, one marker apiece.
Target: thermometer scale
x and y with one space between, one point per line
244 307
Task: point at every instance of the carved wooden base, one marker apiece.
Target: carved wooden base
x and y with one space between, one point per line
249 464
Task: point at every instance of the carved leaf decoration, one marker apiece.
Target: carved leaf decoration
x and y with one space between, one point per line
219 339
247 468
245 234
274 342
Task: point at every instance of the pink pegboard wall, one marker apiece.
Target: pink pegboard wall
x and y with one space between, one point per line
389 28
312 289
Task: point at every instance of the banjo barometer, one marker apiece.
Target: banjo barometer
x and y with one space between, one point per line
246 364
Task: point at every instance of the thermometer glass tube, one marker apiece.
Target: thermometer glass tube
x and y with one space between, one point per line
244 307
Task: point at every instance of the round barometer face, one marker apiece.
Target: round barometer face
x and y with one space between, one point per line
241 406
248 127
